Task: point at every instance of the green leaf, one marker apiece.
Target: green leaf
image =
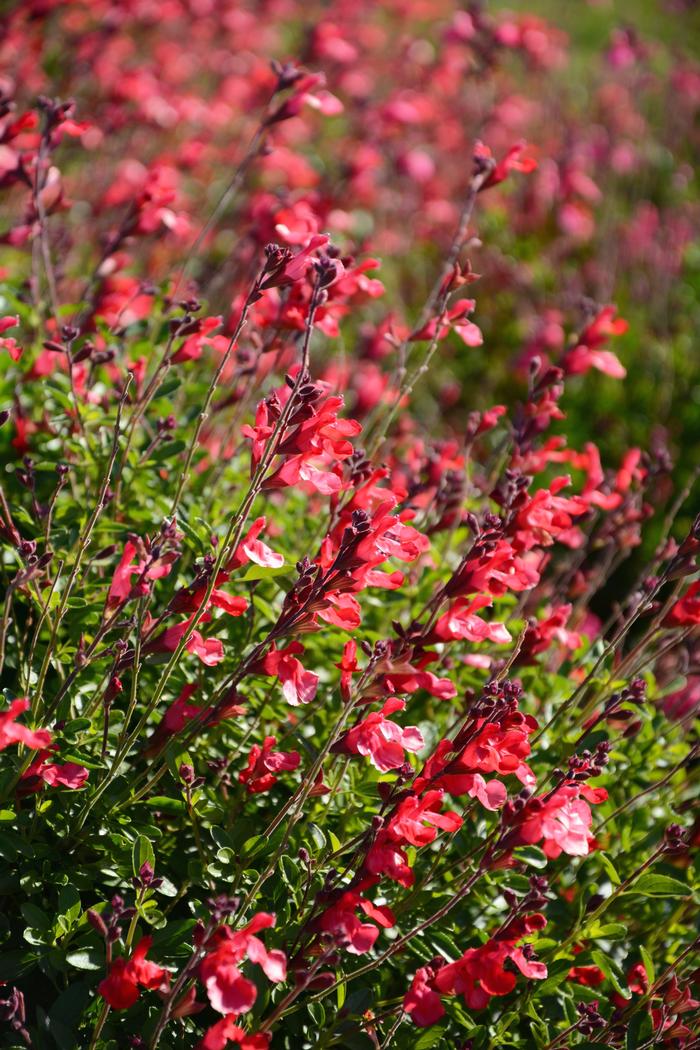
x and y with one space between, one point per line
648 964
430 1037
87 959
607 966
142 853
69 903
540 1032
610 868
35 917
167 805
168 388
598 930
639 1030
263 572
318 1014
558 972
166 451
531 855
290 872
652 885
16 963
318 836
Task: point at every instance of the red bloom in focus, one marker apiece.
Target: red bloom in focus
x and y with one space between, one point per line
252 548
13 732
145 568
348 666
55 774
461 622
227 1031
414 823
298 685
313 444
421 1002
229 992
494 570
402 677
546 516
120 988
209 650
479 974
383 740
498 746
356 936
264 763
562 819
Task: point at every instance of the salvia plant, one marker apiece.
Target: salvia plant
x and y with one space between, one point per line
344 704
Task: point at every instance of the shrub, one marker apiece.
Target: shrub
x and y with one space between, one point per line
321 724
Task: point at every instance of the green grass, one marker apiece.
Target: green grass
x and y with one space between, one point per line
589 24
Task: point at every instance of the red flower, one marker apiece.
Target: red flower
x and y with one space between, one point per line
415 822
146 569
461 622
343 610
175 718
264 763
540 636
479 974
193 346
226 1030
298 685
253 549
120 988
383 740
348 666
513 161
683 702
562 819
483 746
9 344
13 732
209 650
686 610
587 353
312 445
402 677
421 1002
308 90
65 774
589 976
380 534
229 991
356 936
455 319
412 815
494 570
546 517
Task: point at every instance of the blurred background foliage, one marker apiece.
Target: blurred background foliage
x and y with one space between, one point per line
611 216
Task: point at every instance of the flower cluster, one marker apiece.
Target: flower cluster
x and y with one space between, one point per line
348 638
